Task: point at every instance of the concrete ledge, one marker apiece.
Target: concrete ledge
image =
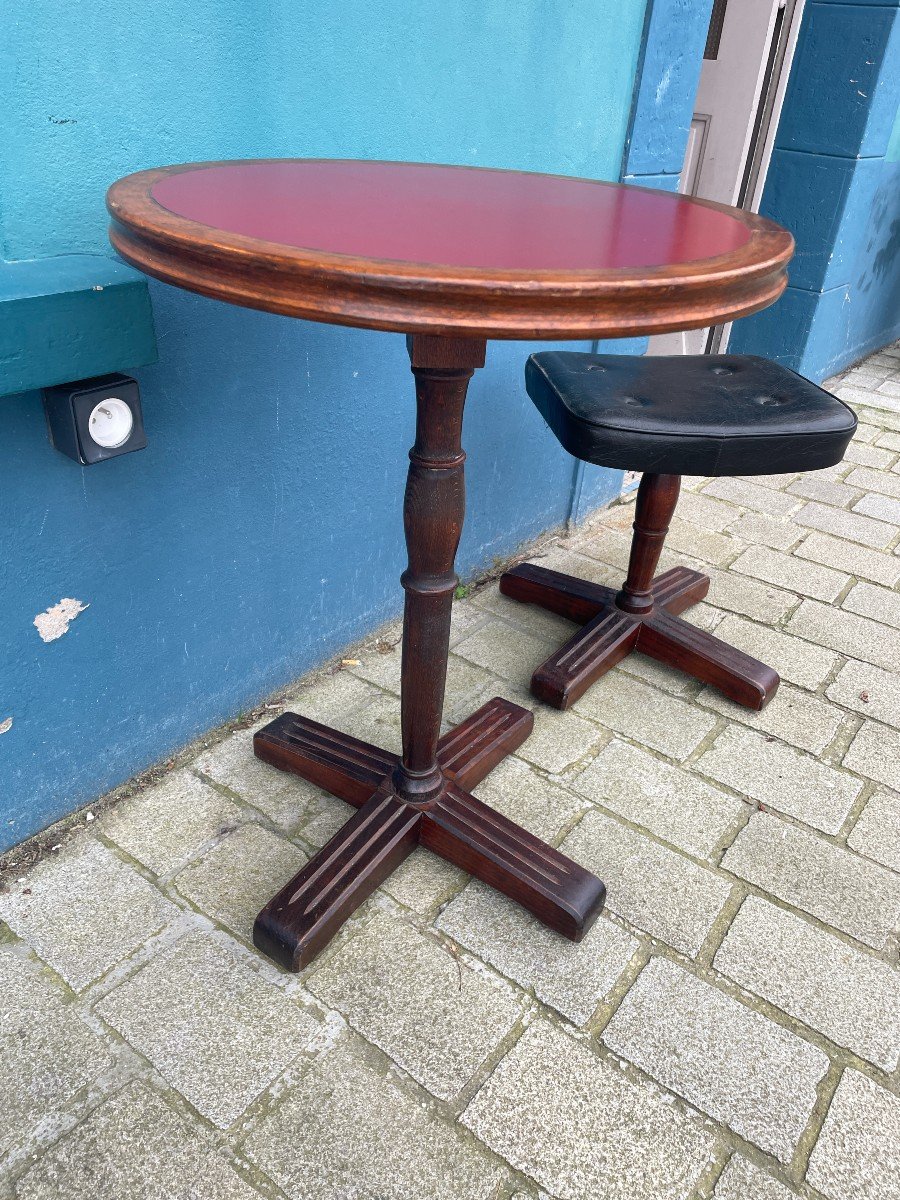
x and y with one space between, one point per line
71 317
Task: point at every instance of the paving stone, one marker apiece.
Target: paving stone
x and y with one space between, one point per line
727 1059
350 1131
776 532
574 558
877 481
846 632
571 978
781 777
705 511
850 996
868 456
875 753
833 884
851 557
332 698
752 495
132 1146
574 1123
558 739
700 543
670 802
826 491
382 669
795 659
542 807
424 881
889 440
234 879
652 887
740 594
879 603
468 687
84 910
857 1151
286 799
868 690
49 1055
209 1024
837 521
608 546
743 1180
808 578
544 625
877 832
435 1017
627 705
379 723
792 715
505 651
670 679
165 824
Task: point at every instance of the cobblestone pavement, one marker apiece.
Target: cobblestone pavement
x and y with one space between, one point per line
729 1029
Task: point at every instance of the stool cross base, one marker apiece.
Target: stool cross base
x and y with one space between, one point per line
643 615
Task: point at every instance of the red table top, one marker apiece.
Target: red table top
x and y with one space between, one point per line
450 216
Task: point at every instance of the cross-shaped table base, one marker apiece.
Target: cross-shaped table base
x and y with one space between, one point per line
295 925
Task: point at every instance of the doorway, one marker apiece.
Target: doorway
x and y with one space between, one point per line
746 63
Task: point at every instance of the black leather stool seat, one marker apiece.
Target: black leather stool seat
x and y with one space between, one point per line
724 414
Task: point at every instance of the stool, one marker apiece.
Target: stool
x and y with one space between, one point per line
667 416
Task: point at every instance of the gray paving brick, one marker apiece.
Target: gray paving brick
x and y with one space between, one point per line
749 597
882 508
699 543
571 978
538 622
881 604
627 705
505 651
833 884
212 1027
875 753
286 799
752 495
350 1131
234 879
608 1136
134 1145
849 995
868 456
877 481
779 533
705 511
726 1058
424 881
652 887
388 975
558 739
48 1054
868 690
850 525
857 1152
781 777
876 834
517 791
810 579
851 557
669 801
84 909
332 698
743 1180
795 659
165 824
825 491
792 715
379 723
846 632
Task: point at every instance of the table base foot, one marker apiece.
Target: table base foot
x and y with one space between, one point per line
300 920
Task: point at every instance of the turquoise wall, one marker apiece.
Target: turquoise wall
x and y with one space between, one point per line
261 529
834 181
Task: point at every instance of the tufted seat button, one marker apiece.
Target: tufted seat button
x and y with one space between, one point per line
723 414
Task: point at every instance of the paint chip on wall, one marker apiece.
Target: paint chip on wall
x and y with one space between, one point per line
6 726
53 623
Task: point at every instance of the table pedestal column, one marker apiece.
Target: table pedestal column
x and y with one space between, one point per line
424 796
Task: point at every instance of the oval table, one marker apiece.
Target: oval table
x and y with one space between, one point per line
451 256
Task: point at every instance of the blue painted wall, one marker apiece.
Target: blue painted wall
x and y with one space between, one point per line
835 182
261 529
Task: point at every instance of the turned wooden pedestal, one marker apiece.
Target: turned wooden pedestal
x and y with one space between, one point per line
643 615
